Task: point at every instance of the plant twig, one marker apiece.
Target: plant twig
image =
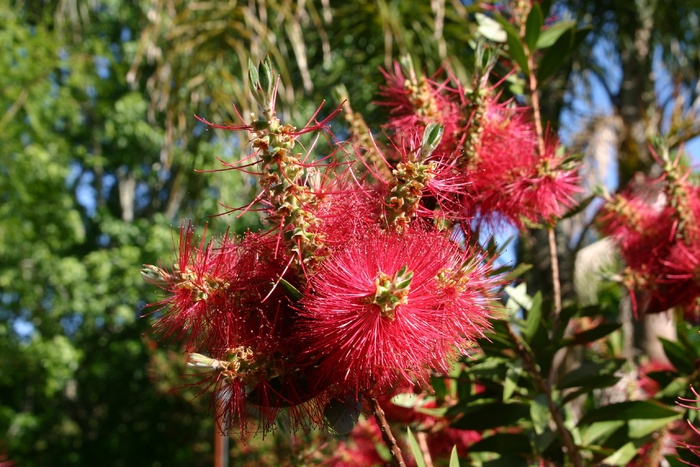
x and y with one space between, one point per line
556 283
544 388
387 436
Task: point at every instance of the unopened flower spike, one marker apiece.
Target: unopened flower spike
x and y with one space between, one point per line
263 83
431 139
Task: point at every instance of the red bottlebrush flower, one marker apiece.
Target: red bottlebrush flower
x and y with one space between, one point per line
226 303
661 249
198 283
544 192
416 101
376 314
510 179
690 443
421 185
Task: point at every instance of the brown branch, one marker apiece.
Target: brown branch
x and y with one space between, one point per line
554 259
387 436
543 387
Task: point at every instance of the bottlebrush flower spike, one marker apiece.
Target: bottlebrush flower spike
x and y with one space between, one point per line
544 191
422 184
653 225
416 101
198 283
375 315
692 442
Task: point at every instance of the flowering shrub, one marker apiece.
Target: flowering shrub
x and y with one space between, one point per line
368 282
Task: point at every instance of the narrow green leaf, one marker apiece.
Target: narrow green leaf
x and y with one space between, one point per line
491 415
600 431
515 46
605 381
533 26
517 271
431 139
517 53
265 73
534 330
557 54
253 74
688 337
675 388
678 356
341 416
622 456
292 292
439 386
551 34
519 295
512 377
641 428
539 413
503 442
629 410
417 453
591 335
454 457
580 207
592 375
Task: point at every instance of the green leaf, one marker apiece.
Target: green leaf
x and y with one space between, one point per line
503 442
592 375
678 356
512 377
517 271
515 46
622 456
439 386
590 335
551 34
686 335
253 74
341 416
491 415
598 432
580 207
417 453
629 410
546 5
674 389
265 73
539 413
556 55
292 292
641 428
454 457
534 331
519 295
533 26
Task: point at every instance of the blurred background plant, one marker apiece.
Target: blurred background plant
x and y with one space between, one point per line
99 151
